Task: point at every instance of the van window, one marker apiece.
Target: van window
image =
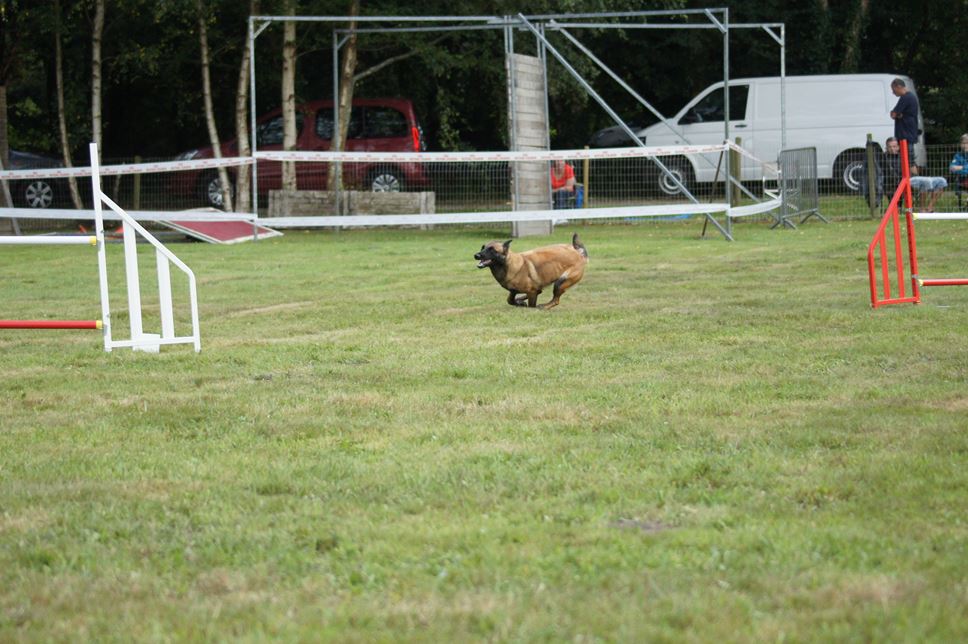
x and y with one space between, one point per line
385 122
324 123
712 108
270 132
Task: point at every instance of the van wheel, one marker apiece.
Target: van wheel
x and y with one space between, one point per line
849 169
386 179
682 171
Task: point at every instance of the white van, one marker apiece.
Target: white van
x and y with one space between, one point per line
831 113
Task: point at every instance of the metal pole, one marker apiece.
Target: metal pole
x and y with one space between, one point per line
662 119
102 261
543 57
729 201
783 86
871 176
338 166
591 92
512 121
254 167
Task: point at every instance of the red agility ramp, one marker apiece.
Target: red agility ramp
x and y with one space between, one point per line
223 232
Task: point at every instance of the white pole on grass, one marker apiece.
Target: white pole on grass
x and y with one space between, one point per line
102 262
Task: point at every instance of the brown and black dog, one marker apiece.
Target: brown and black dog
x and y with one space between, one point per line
528 273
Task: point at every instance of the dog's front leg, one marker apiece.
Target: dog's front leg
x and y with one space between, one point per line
514 299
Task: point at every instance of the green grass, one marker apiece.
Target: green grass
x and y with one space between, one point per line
705 441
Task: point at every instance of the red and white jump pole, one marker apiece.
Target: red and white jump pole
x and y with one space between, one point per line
51 324
51 240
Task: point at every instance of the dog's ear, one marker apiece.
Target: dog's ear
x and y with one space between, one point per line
507 245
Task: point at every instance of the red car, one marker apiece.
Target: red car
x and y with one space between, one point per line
376 125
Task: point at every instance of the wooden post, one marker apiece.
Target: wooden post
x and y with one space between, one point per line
137 187
871 179
735 161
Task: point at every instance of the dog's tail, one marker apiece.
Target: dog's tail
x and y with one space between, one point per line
580 247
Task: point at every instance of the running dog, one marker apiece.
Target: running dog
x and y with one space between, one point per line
526 274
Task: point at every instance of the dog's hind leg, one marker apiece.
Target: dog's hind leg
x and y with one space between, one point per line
562 284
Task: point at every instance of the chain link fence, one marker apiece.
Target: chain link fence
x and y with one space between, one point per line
480 186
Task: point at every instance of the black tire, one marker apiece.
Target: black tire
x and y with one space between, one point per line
210 190
682 170
386 179
36 193
849 170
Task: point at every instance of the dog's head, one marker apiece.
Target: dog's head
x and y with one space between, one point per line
494 253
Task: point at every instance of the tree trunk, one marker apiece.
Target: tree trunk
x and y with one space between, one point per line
223 175
289 96
347 70
852 38
96 34
243 200
61 112
4 145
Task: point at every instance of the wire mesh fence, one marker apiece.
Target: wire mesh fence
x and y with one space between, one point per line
469 186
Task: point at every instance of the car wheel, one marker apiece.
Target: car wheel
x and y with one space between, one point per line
682 171
386 180
37 194
210 187
850 170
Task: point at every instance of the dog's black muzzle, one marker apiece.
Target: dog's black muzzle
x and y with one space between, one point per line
483 260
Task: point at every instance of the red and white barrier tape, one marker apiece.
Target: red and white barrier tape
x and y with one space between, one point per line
138 215
517 155
375 157
766 164
127 168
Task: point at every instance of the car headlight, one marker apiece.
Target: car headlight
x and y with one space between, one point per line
187 156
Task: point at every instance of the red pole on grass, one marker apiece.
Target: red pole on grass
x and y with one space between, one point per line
50 324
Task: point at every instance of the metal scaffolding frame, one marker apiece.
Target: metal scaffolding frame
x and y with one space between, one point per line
537 26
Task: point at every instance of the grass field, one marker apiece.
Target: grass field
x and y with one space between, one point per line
705 441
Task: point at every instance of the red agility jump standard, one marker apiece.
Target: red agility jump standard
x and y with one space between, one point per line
877 252
878 256
51 324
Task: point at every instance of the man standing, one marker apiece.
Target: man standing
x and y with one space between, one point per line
905 115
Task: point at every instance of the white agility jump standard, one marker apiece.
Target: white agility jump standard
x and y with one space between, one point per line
164 258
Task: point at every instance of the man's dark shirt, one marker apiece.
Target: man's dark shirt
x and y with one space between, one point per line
906 127
892 172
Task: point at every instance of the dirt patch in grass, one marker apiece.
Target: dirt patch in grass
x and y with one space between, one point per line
640 525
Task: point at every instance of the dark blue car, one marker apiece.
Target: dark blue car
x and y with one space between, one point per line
35 193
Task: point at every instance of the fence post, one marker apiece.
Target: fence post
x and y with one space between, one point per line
585 179
871 179
734 172
137 187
